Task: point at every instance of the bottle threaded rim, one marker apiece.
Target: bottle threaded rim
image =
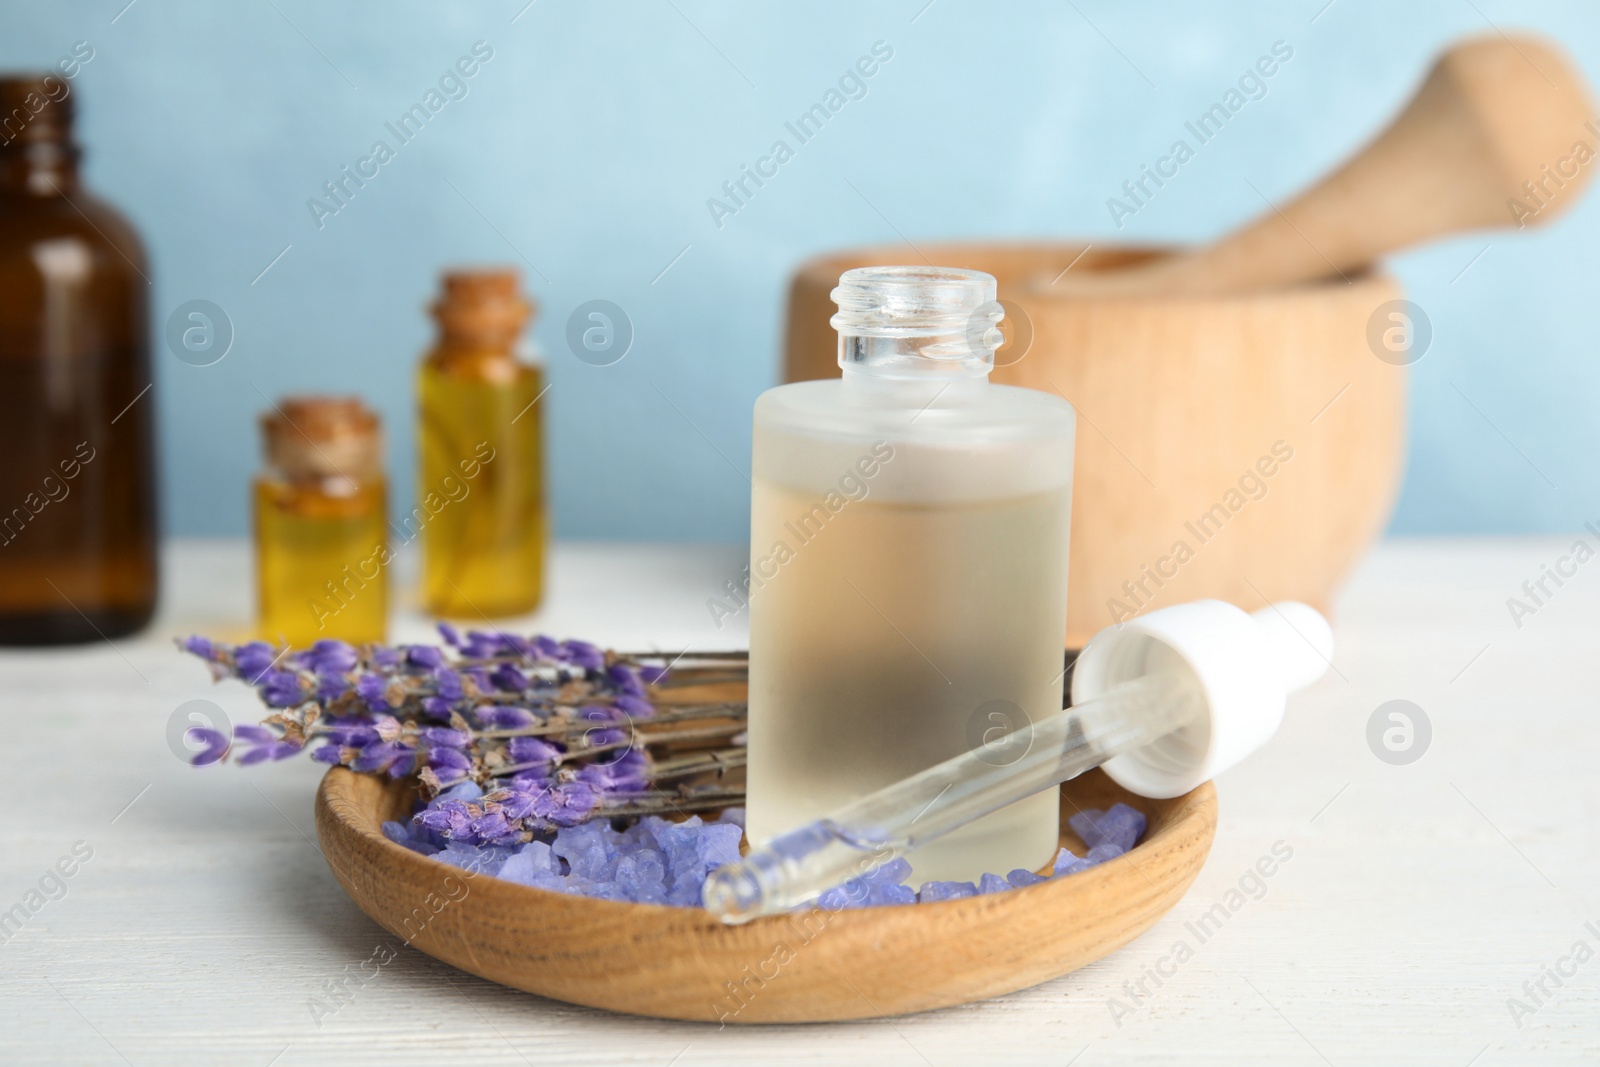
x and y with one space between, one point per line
35 107
908 320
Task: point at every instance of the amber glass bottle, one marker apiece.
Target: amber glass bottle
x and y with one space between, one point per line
322 552
77 488
480 493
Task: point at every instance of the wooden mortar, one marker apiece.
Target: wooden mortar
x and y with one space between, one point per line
1178 399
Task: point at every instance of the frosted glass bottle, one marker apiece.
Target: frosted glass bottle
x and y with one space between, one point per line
908 567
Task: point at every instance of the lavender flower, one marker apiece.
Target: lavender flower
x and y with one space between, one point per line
567 804
448 763
424 656
635 707
330 687
545 726
583 654
260 744
509 679
451 818
504 717
444 737
329 657
629 773
373 689
214 744
281 689
532 750
253 660
448 683
350 734
626 679
480 645
385 757
597 737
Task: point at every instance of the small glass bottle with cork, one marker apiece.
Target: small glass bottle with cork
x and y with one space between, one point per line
480 490
322 554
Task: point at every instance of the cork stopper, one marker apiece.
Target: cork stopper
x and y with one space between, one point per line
482 307
323 437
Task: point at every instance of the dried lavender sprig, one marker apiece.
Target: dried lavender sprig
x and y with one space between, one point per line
742 655
585 751
476 711
719 762
681 681
510 816
680 713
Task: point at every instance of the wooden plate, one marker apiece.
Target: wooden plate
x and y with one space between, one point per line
680 963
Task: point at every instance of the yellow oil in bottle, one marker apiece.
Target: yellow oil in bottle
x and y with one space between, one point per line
321 571
480 493
322 555
886 641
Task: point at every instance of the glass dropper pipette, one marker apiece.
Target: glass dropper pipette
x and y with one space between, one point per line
796 866
1189 689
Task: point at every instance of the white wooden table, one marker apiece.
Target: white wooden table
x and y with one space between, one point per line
1417 902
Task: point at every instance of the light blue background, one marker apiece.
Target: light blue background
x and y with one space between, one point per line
592 139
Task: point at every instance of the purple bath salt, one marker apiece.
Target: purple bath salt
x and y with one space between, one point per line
400 833
640 875
992 883
885 884
656 861
1120 826
853 894
532 859
1067 863
933 892
587 851
478 859
1105 850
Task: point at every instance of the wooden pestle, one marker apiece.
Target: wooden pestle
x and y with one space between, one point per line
1502 133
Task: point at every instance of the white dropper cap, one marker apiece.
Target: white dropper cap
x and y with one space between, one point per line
1244 667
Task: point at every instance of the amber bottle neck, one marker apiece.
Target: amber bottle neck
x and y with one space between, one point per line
38 156
38 168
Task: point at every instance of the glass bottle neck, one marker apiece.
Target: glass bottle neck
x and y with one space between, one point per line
488 359
38 167
943 356
906 332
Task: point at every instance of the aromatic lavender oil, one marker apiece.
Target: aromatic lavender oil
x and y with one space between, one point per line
480 489
909 532
322 551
